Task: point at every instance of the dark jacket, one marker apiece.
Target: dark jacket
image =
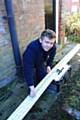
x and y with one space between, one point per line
33 57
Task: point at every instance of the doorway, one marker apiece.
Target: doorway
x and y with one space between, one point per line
50 14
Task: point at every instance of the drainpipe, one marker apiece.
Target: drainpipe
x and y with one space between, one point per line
14 39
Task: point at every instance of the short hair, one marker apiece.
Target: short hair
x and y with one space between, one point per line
48 33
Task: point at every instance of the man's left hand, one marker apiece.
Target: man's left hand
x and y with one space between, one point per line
48 69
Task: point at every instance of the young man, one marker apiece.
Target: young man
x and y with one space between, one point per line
37 59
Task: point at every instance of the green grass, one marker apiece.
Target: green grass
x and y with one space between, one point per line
74 38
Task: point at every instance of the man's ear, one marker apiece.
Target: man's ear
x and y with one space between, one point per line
40 40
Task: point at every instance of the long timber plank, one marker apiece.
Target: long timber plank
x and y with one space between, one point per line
28 102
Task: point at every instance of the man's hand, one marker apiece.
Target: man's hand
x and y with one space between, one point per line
32 91
48 69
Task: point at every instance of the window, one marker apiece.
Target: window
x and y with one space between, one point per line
74 8
75 0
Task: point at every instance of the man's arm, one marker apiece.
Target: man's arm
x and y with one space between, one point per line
51 57
28 64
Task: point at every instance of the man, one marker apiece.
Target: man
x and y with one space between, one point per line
38 58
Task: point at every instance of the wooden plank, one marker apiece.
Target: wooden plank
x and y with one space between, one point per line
64 70
78 54
28 103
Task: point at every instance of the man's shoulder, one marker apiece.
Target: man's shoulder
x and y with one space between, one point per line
32 47
33 44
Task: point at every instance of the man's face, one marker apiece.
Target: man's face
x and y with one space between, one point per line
47 44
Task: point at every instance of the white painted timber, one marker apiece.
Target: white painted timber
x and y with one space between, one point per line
64 70
78 54
28 102
57 20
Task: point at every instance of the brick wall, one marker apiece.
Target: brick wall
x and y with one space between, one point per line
7 64
29 17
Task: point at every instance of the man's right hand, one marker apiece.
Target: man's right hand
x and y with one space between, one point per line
32 91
